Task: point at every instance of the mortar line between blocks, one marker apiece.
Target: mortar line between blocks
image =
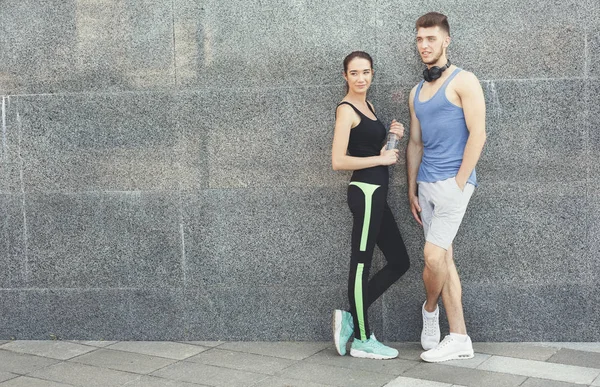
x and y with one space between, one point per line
25 267
174 43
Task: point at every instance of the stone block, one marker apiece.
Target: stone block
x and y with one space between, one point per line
69 46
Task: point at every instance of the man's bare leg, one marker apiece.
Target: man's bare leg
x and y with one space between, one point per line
457 345
434 274
452 297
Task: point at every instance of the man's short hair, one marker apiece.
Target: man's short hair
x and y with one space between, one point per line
433 19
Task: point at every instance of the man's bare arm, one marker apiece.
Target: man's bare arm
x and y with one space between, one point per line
414 153
473 103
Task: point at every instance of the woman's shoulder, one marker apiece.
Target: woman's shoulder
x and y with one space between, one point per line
344 106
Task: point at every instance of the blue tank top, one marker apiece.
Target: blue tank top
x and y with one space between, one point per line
444 133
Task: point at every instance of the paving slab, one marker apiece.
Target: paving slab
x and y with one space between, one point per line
242 361
7 376
576 358
330 357
463 376
61 350
22 363
94 343
474 362
206 374
286 364
25 381
535 382
588 347
168 349
530 351
84 375
336 376
123 361
204 343
275 381
151 381
402 381
408 351
542 370
286 350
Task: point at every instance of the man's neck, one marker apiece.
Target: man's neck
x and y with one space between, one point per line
439 63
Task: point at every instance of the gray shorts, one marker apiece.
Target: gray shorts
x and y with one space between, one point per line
443 206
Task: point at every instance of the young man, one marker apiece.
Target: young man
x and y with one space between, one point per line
447 133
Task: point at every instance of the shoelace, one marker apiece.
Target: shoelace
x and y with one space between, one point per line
430 326
375 342
445 342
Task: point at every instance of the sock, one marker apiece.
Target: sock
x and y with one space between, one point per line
459 337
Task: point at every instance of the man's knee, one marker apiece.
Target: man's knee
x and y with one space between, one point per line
435 257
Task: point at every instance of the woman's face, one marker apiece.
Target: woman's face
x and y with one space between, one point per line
359 75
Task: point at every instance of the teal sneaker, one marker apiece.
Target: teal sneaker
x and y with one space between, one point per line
372 349
343 328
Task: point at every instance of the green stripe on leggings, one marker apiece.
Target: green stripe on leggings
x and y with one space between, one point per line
359 301
368 190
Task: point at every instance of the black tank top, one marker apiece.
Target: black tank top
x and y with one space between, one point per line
366 139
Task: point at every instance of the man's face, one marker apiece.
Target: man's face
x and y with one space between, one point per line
431 42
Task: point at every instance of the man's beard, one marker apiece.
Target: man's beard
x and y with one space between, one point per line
434 60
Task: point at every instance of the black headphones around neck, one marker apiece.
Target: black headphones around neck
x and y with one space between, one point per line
431 74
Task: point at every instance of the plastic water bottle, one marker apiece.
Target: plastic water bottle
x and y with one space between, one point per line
392 141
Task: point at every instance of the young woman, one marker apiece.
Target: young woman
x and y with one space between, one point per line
357 146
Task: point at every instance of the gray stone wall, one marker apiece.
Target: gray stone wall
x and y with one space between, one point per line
165 167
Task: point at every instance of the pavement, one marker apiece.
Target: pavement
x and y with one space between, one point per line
61 363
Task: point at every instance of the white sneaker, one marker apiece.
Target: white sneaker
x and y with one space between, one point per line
449 349
430 335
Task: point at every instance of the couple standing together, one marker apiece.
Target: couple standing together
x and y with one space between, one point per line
447 134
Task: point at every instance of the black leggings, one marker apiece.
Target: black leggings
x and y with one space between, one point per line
373 224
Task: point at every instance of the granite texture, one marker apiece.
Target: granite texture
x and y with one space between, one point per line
593 36
536 131
272 138
510 39
86 46
593 45
165 168
49 314
238 44
10 161
156 314
277 236
14 321
123 142
402 314
391 102
593 90
537 235
192 118
75 314
592 217
90 240
531 312
267 313
496 312
13 243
